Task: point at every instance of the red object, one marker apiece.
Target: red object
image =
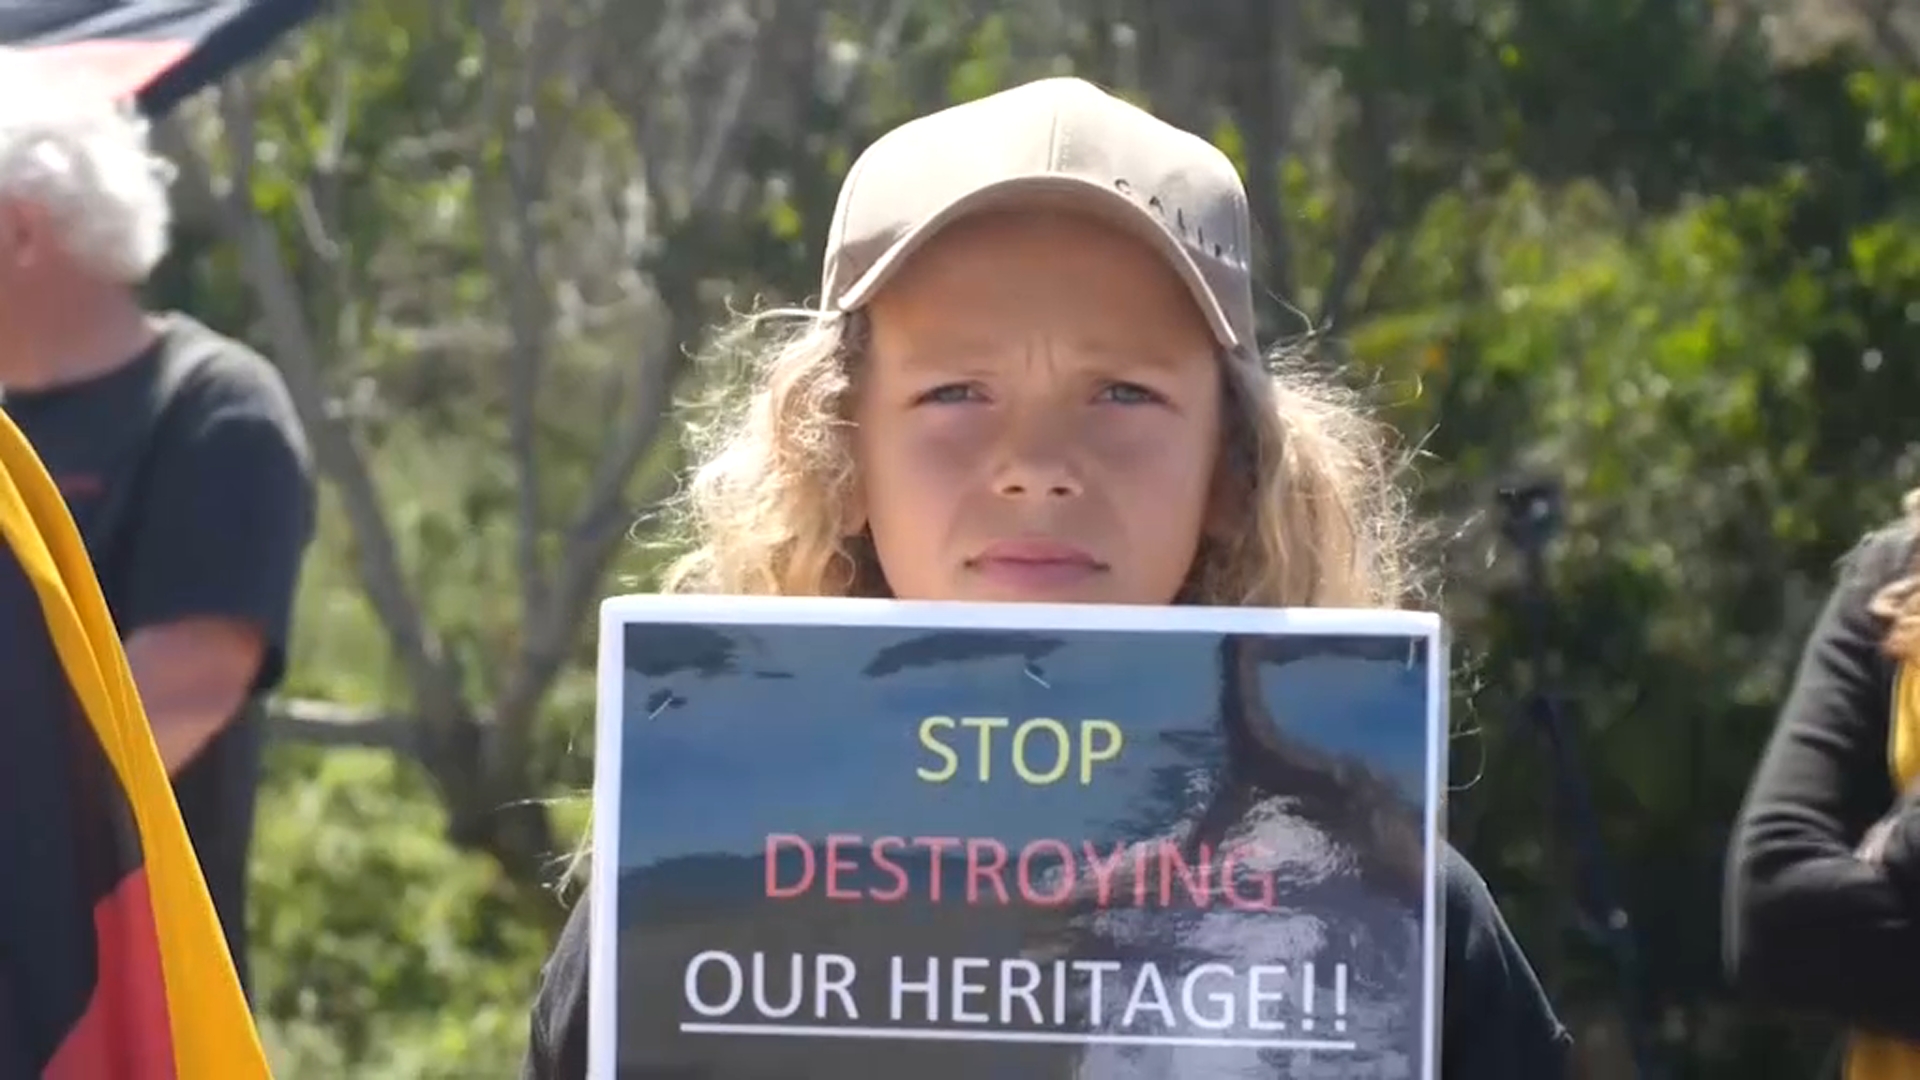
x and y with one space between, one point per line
158 52
82 992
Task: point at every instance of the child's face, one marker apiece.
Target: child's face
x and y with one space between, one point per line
1039 418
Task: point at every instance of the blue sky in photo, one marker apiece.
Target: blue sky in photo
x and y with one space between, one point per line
832 749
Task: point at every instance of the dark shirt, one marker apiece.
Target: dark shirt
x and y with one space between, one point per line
1809 926
217 509
1497 1023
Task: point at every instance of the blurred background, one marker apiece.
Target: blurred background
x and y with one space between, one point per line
1664 252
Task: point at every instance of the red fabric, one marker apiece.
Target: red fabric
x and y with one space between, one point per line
157 53
124 1033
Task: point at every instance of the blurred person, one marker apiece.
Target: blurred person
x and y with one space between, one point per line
1823 875
177 450
1030 381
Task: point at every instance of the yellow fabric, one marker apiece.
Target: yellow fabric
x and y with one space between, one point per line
213 1031
1877 1057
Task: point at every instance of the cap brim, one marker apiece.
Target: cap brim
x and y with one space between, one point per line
1051 191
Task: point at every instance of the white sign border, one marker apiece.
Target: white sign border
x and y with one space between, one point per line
618 612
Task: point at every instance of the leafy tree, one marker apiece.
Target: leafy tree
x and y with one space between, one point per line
1663 251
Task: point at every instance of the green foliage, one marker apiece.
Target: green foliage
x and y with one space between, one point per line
1713 386
1621 243
380 951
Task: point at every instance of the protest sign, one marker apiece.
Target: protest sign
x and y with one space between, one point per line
845 838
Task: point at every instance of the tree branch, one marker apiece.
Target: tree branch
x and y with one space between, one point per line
605 518
1372 187
512 244
298 359
1883 22
1176 64
323 723
606 514
721 146
1262 109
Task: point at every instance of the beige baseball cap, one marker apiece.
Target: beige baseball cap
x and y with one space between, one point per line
1056 143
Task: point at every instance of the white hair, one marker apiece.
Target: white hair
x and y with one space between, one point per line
83 157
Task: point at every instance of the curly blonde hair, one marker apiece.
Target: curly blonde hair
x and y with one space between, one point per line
769 508
769 512
1899 601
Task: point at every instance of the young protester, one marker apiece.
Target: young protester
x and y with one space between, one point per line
1033 377
1823 879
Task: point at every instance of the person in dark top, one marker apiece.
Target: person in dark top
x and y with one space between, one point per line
1034 378
1823 873
178 452
1496 1024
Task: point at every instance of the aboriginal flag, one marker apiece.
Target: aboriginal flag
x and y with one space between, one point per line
112 963
157 51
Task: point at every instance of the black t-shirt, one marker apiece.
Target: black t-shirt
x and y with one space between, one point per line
1497 1022
1809 926
217 509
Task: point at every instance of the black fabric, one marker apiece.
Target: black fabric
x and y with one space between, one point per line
557 1039
1497 1021
16 1059
1808 926
211 493
218 35
48 952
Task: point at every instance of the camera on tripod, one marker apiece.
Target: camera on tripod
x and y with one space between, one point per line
1531 511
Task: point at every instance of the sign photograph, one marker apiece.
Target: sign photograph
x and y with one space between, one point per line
846 838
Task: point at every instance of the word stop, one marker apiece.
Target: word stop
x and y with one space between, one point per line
1040 751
